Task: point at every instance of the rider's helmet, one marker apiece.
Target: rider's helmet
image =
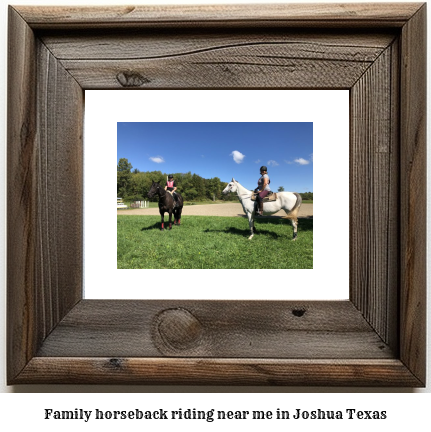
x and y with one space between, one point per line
170 176
263 168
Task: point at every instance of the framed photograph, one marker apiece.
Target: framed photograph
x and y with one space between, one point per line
201 159
219 144
376 337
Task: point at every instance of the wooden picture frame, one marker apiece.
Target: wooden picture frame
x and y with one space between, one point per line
376 338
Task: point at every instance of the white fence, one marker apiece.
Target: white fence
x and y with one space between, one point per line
140 204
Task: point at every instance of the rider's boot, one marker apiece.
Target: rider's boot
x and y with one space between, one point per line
260 211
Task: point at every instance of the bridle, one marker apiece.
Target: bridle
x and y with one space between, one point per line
230 185
162 192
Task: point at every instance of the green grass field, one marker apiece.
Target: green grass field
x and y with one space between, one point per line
212 242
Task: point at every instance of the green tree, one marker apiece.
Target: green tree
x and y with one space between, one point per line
186 185
124 177
139 186
191 194
307 196
199 186
280 189
213 188
134 185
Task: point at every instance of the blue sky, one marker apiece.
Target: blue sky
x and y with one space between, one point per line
223 150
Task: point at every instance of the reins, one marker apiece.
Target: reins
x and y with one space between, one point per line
159 191
162 194
243 195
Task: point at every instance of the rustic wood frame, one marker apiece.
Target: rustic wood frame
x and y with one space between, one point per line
376 338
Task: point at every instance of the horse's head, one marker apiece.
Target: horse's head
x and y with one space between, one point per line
153 189
231 187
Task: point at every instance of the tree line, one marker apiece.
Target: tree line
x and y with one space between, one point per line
133 185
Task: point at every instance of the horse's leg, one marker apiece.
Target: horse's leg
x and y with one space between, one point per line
251 224
295 228
293 215
162 215
170 219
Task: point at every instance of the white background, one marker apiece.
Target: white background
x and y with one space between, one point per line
329 112
26 410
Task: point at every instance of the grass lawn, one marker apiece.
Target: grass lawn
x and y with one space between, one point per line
212 242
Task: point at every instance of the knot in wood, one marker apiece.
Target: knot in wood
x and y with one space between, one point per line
131 79
178 329
298 312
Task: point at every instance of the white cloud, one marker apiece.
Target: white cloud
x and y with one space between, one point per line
272 163
257 161
302 161
157 159
237 156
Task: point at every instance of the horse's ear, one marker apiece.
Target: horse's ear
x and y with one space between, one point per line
233 179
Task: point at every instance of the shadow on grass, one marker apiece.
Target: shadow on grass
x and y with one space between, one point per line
153 227
157 226
246 232
242 232
304 223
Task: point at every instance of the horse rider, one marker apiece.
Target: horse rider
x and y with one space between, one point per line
171 186
263 189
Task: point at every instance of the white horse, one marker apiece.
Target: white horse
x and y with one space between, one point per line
290 202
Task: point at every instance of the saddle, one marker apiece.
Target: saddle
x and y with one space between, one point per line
272 196
173 197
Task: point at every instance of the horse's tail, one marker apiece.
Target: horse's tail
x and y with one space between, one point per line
298 201
295 209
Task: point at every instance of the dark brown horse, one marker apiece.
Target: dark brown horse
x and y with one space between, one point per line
167 204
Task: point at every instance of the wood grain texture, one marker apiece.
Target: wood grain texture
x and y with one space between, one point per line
207 60
413 194
197 371
21 194
376 338
139 44
226 329
374 195
300 14
44 193
59 163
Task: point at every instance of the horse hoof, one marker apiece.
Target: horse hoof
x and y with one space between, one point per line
250 237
